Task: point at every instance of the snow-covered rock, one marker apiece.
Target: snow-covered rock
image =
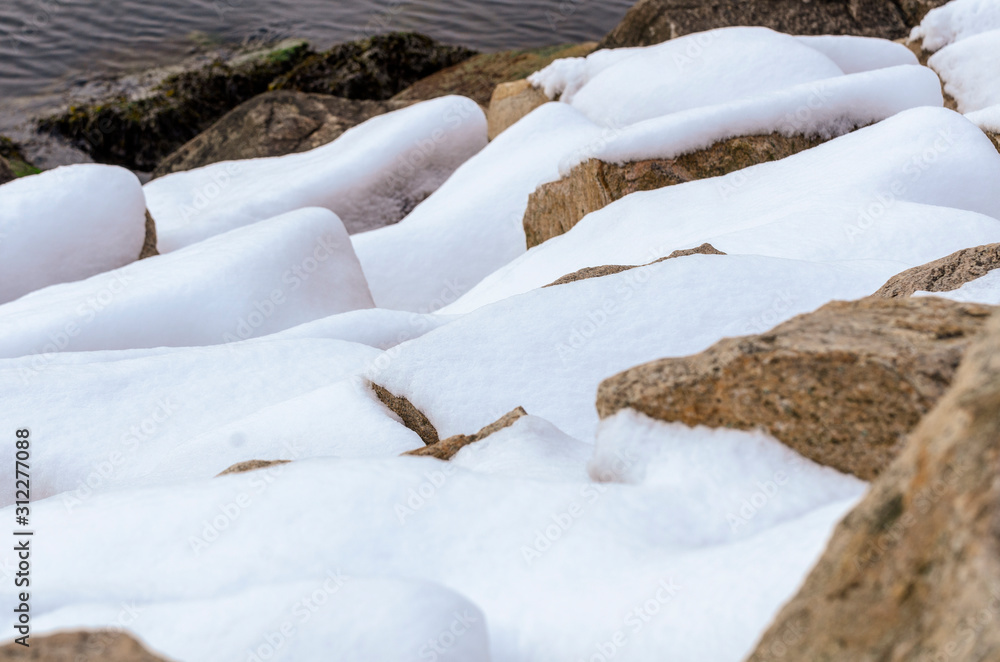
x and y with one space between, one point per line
371 175
377 327
970 70
985 289
955 21
249 282
67 224
856 54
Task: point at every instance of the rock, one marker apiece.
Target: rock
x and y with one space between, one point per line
477 77
149 243
140 132
273 124
607 270
556 207
913 572
446 449
374 68
80 646
251 465
16 163
6 174
653 21
944 275
994 138
509 103
412 417
843 385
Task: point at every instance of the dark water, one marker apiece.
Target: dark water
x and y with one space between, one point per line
50 45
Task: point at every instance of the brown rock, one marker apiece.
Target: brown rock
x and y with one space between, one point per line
446 449
994 138
608 270
251 465
948 273
477 76
80 646
273 124
149 243
913 573
843 386
412 417
509 103
6 174
556 207
653 21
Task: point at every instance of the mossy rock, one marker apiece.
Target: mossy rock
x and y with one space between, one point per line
16 164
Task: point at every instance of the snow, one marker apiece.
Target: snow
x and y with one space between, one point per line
970 70
376 327
67 224
547 350
856 54
612 561
911 189
249 282
122 419
369 176
987 119
956 21
985 290
695 70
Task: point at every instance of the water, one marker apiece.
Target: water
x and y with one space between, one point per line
49 46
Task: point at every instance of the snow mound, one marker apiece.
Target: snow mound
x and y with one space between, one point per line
856 54
911 189
955 21
695 70
376 327
117 419
331 617
985 290
547 350
67 224
252 281
970 70
373 173
987 119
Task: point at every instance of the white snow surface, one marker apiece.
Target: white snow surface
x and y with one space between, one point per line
368 176
985 290
856 54
118 419
377 327
987 119
955 21
970 70
656 572
67 224
249 282
911 189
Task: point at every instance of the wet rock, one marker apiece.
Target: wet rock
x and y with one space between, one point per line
447 448
913 572
556 207
80 646
509 103
251 465
843 385
273 124
608 270
944 275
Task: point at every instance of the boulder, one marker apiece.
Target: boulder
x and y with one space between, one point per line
843 385
653 21
913 572
80 646
556 207
509 103
609 269
944 275
477 76
374 68
412 417
251 465
447 448
273 124
139 131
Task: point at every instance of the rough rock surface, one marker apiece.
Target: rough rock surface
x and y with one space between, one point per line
17 164
477 77
412 417
509 103
139 132
609 269
994 138
251 465
653 21
948 273
80 646
556 207
913 572
843 385
6 174
374 68
273 124
447 448
149 242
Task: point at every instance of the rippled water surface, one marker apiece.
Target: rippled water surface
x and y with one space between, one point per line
49 45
